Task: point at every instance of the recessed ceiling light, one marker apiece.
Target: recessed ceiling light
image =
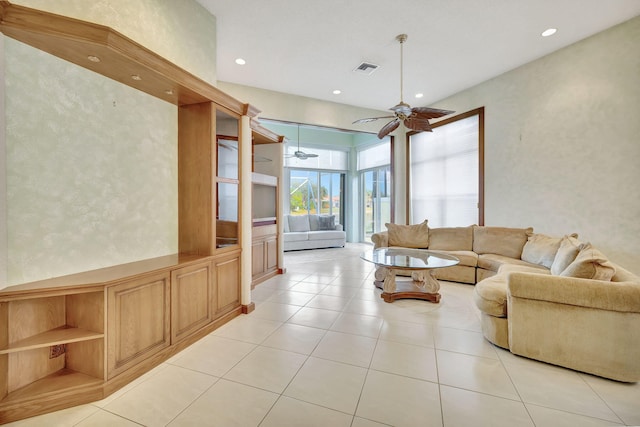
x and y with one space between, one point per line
337 92
549 32
240 61
136 77
168 92
419 95
93 58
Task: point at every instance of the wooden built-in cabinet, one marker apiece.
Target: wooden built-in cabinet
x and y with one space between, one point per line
264 252
264 234
75 339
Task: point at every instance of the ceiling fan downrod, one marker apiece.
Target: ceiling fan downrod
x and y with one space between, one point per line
401 38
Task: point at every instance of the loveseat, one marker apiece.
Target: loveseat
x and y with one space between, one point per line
311 231
553 299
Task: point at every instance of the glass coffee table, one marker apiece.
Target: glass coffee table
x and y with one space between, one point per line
421 262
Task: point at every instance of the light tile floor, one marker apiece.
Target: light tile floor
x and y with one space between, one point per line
322 349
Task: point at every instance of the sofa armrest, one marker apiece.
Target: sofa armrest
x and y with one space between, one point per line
380 240
339 227
598 294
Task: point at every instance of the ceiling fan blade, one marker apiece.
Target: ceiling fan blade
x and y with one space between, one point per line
429 113
302 155
418 124
388 128
372 119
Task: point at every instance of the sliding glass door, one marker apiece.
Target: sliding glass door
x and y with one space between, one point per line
316 192
376 200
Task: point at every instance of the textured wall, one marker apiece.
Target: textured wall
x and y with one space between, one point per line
91 164
91 169
562 143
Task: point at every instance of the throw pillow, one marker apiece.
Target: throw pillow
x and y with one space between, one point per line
590 264
326 222
567 252
409 236
541 249
451 238
500 240
298 223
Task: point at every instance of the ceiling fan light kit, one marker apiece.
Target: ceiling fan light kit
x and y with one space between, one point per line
413 118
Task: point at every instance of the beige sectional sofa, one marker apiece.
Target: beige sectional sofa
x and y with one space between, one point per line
554 299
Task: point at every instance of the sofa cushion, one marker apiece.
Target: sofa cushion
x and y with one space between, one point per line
467 258
520 268
299 223
567 252
541 249
493 262
500 240
326 222
328 234
408 236
490 295
451 238
296 236
313 222
590 264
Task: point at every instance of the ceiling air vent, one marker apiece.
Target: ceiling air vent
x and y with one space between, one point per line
366 68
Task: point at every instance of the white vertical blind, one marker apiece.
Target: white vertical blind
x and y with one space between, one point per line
444 174
328 159
375 156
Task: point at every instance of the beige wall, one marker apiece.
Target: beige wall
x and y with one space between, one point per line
91 165
562 143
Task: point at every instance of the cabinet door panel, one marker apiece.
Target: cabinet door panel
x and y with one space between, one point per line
227 273
138 321
192 300
272 254
257 258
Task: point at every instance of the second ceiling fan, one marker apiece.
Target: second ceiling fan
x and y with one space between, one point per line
416 118
301 155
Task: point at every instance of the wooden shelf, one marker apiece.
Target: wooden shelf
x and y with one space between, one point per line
95 280
56 336
64 379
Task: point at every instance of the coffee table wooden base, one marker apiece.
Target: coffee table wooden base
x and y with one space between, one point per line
406 290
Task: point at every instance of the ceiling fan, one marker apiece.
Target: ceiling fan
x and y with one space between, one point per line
301 154
416 118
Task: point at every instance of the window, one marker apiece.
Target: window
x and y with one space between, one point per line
316 192
446 172
374 167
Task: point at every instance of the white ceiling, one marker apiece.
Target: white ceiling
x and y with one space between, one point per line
310 48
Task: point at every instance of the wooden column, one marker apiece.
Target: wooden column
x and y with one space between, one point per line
244 142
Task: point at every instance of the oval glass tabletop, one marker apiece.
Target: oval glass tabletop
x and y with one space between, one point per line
405 258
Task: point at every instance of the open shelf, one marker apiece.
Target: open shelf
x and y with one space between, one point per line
64 379
63 335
